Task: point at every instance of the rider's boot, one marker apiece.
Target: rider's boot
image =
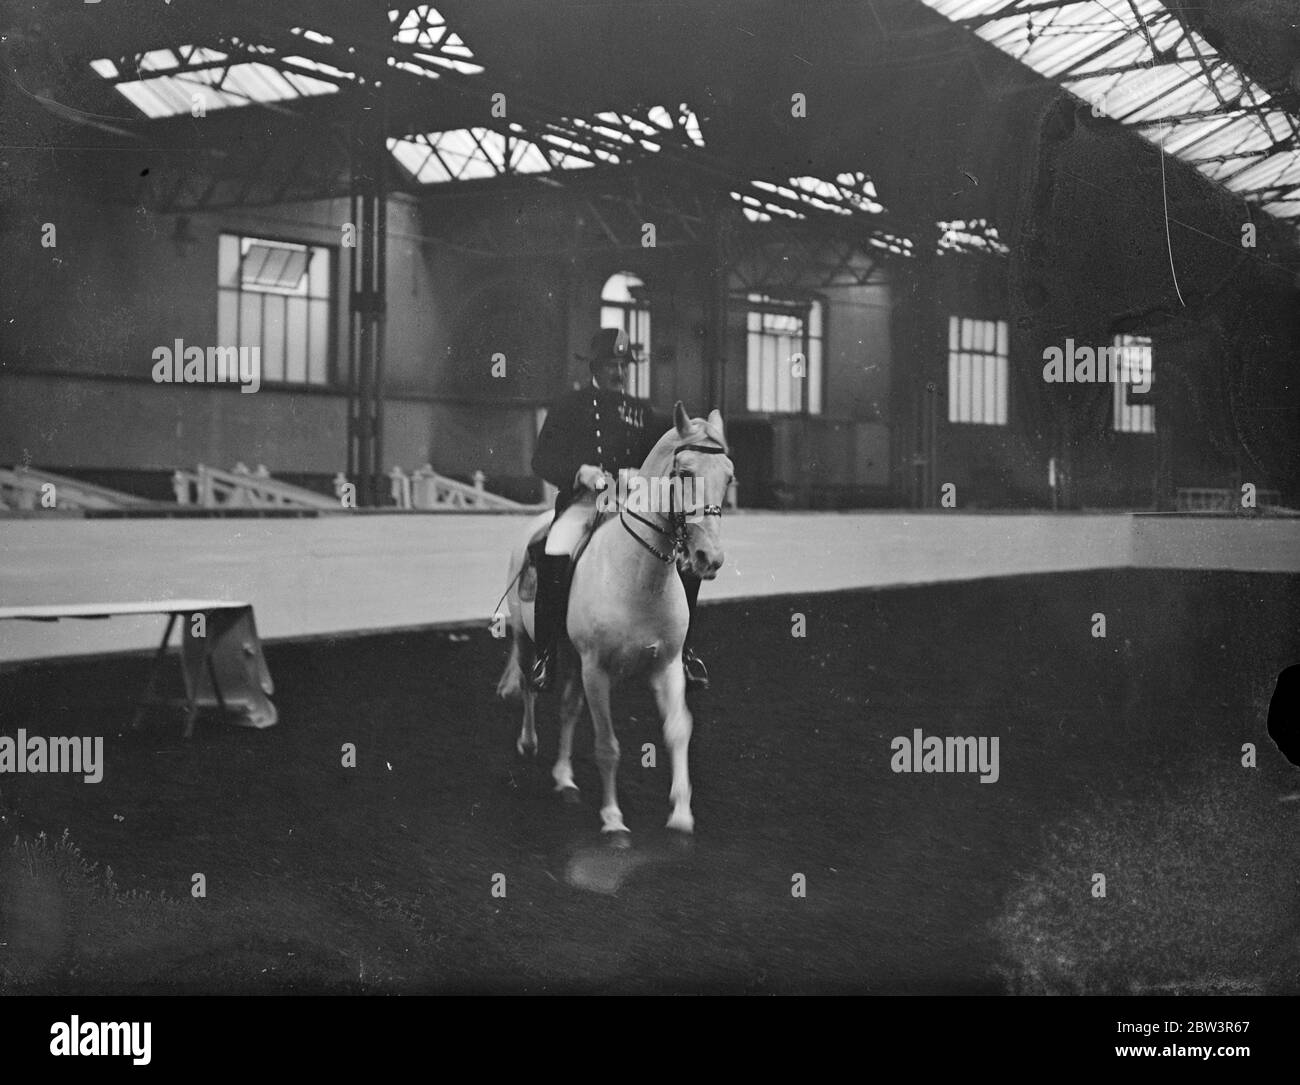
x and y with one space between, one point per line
697 675
548 616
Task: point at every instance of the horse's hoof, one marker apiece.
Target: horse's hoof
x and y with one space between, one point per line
680 841
571 796
529 752
681 823
618 838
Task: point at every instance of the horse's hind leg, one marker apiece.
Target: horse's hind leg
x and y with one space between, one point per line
521 660
571 701
669 687
596 682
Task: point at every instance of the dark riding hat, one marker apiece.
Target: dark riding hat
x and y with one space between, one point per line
609 345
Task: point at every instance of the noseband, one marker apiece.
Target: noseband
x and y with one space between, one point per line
676 534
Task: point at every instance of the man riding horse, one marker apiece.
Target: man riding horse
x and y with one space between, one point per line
589 436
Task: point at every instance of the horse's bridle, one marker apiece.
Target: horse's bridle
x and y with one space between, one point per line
676 517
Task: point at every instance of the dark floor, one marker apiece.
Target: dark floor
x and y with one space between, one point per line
1119 755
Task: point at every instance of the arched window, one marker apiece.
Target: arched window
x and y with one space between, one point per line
624 304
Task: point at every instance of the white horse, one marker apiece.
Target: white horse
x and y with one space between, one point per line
627 612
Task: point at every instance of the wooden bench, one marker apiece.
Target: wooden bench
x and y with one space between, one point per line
222 665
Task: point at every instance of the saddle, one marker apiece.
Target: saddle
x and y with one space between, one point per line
594 520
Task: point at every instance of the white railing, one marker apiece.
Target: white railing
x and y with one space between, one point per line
427 490
25 488
212 488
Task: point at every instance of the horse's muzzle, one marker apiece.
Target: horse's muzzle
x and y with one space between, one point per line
706 566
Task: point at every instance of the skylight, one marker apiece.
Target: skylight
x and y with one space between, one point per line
168 80
171 82
425 28
848 194
609 138
975 235
463 154
1135 62
758 210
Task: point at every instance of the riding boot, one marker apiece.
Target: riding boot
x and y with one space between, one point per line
548 616
697 675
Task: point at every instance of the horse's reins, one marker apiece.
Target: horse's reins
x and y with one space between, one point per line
676 518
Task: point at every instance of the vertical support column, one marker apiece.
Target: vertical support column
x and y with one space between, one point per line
361 300
1164 497
929 371
380 315
902 472
806 424
719 306
367 263
352 376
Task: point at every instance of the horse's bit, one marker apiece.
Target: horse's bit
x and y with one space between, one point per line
676 517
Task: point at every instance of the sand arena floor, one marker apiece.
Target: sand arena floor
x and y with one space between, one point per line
1119 756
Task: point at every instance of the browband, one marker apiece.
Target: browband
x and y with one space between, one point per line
677 519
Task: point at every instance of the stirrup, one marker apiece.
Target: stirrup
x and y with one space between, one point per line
697 674
542 676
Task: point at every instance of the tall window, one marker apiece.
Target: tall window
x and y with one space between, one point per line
977 371
276 295
1131 415
623 304
784 355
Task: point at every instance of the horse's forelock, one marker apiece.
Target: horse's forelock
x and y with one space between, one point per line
700 431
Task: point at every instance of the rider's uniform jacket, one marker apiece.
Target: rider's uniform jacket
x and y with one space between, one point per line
591 425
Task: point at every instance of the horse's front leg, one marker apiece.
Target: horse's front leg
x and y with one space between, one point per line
526 744
523 650
570 710
597 684
669 685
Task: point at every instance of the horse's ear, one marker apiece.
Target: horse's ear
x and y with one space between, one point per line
715 420
681 419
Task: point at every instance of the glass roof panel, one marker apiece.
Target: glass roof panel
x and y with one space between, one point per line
481 152
424 26
171 84
169 78
1213 115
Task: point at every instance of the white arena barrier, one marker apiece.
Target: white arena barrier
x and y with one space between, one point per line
372 572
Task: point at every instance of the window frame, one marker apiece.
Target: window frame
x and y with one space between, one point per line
329 381
1144 414
1001 333
799 304
640 369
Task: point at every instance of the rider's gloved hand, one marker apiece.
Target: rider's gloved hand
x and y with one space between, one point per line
590 477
